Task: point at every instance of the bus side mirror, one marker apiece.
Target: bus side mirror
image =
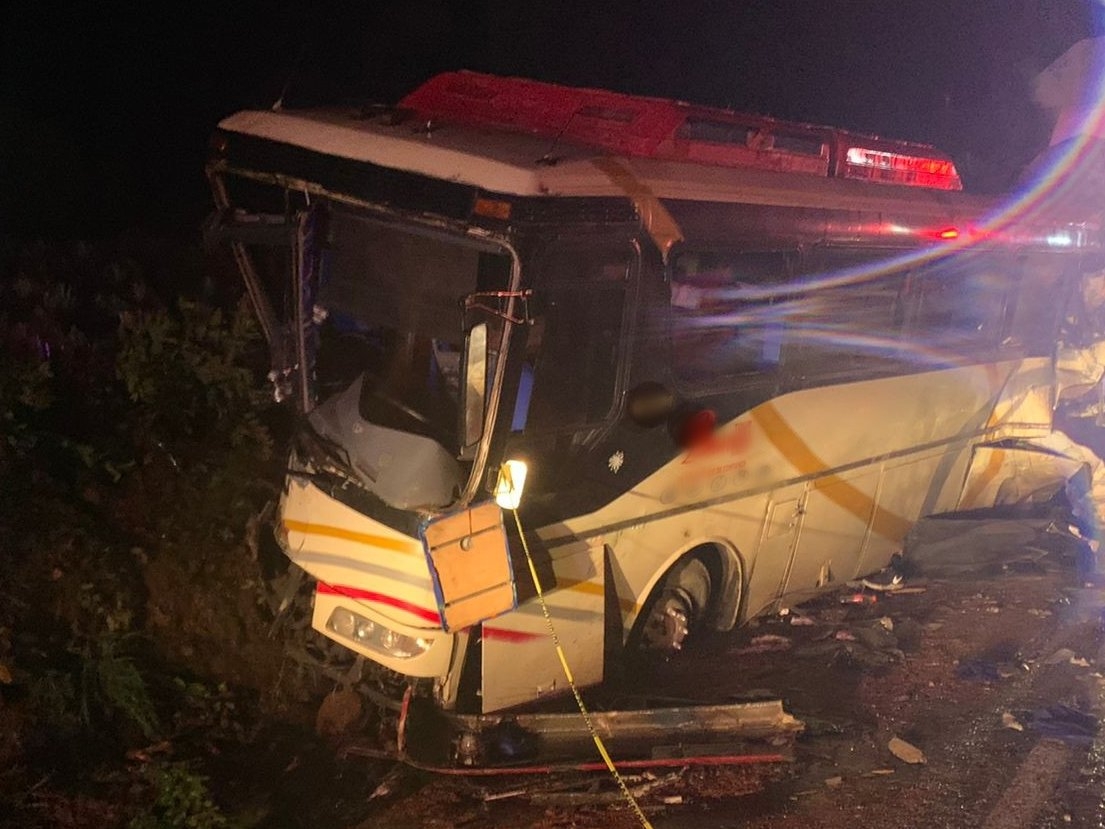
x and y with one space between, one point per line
473 388
650 403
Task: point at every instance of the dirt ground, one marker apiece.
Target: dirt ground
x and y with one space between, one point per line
964 675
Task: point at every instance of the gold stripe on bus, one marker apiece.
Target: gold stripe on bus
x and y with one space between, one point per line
996 383
985 477
396 544
840 492
658 222
593 589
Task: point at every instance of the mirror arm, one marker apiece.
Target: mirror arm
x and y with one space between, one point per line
474 301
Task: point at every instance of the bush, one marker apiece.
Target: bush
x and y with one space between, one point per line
181 801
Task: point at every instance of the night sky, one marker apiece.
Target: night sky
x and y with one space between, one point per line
105 109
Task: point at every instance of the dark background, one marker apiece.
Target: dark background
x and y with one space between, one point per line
105 109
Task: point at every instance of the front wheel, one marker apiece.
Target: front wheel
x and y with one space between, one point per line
675 610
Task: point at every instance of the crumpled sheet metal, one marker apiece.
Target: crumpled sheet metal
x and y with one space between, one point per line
1034 471
1079 372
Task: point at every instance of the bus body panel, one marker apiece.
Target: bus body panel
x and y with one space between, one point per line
867 460
520 661
367 567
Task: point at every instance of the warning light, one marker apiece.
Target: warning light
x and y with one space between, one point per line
896 168
944 234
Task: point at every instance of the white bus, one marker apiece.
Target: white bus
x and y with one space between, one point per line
736 358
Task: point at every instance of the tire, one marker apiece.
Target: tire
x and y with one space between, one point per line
675 611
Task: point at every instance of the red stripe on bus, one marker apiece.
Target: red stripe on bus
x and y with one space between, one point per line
504 635
380 598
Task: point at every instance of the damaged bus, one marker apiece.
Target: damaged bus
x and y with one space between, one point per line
712 362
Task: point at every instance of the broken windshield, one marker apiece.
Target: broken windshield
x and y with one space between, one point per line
390 310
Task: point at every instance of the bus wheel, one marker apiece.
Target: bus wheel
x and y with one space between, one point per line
676 609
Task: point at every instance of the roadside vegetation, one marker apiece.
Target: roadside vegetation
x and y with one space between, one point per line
140 655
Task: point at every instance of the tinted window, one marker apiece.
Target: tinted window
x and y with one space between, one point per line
848 320
728 313
573 346
959 303
1041 291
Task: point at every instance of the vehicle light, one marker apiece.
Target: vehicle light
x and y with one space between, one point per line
949 233
364 630
492 209
508 488
895 168
368 634
343 623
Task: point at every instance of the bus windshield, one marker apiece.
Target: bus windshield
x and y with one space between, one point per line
390 320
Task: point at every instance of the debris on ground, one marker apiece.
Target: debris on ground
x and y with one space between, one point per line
895 583
339 712
767 643
959 545
1065 723
978 670
906 752
859 598
1059 657
1009 721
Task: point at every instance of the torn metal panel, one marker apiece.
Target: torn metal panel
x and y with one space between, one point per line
1079 372
1034 471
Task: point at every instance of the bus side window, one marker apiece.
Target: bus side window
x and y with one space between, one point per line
960 304
847 322
573 350
1035 311
728 311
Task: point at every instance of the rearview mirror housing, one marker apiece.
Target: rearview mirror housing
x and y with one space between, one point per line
473 390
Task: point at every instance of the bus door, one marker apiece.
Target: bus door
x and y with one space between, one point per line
775 552
844 328
568 396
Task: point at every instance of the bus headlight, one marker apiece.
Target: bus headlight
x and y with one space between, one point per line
508 488
369 634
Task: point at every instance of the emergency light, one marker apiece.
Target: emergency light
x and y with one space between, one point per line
636 126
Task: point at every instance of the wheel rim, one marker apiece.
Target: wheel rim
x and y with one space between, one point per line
676 611
668 624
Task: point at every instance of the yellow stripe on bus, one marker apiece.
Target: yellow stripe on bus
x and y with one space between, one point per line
396 544
594 589
658 222
985 477
844 495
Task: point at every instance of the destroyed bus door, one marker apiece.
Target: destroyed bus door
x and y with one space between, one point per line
569 391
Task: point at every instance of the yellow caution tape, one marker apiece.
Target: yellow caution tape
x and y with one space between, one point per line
630 799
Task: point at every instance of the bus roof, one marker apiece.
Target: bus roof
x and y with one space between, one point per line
496 134
521 164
